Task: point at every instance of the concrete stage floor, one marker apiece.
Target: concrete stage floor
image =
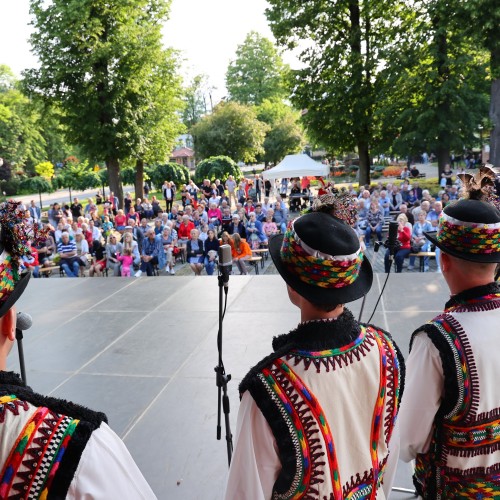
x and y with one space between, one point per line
144 350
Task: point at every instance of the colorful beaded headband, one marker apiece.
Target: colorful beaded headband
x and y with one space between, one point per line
316 268
468 237
15 236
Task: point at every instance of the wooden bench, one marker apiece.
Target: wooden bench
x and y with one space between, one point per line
421 175
421 256
261 252
45 272
254 261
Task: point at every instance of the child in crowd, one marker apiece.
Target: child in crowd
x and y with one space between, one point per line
107 225
126 260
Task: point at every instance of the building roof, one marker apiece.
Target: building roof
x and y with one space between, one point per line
182 153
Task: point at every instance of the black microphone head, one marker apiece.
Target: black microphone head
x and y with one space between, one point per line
393 233
23 321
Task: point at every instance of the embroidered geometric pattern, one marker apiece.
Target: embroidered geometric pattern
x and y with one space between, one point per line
314 448
36 454
332 359
462 432
11 404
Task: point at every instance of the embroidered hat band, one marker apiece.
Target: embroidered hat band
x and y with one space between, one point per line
316 268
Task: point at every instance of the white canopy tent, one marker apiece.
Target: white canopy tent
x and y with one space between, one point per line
297 166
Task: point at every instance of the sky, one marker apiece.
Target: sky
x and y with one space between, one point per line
207 32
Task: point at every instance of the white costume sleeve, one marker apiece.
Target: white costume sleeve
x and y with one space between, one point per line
255 463
107 471
424 388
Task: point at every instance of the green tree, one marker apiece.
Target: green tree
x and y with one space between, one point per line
217 167
172 172
436 91
285 134
39 184
159 128
257 73
231 130
95 56
481 19
195 100
77 176
21 141
344 43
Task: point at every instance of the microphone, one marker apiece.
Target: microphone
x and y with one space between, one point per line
225 264
23 321
392 242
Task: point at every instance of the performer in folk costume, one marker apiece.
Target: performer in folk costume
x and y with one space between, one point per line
317 414
450 416
50 448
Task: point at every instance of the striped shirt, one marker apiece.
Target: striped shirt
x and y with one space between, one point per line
66 248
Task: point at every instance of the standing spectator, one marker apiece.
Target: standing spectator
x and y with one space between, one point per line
231 189
55 214
267 188
127 202
76 208
258 185
168 190
126 260
35 212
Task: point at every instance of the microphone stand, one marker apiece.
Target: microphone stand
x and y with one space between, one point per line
221 380
19 338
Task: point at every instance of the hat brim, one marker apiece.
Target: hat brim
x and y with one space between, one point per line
16 293
320 295
487 258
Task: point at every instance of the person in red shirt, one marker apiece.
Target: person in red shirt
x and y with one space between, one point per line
404 238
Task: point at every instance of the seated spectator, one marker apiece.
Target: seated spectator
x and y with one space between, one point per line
158 227
249 207
418 240
168 240
395 199
362 213
147 209
151 249
133 215
155 204
384 203
434 214
90 209
113 247
144 226
259 213
138 208
128 242
203 232
184 230
404 238
214 216
225 239
98 263
226 219
375 222
254 232
195 252
107 226
237 227
417 191
414 172
82 248
120 220
280 215
269 227
69 261
240 251
403 209
211 251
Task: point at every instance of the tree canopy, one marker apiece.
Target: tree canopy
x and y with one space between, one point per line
257 73
232 130
172 172
102 62
217 167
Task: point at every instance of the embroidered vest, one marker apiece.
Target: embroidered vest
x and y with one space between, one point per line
331 410
40 446
463 460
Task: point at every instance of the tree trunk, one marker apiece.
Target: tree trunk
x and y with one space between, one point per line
495 109
139 179
115 182
443 157
364 163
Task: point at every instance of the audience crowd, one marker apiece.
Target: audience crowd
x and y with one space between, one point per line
150 235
